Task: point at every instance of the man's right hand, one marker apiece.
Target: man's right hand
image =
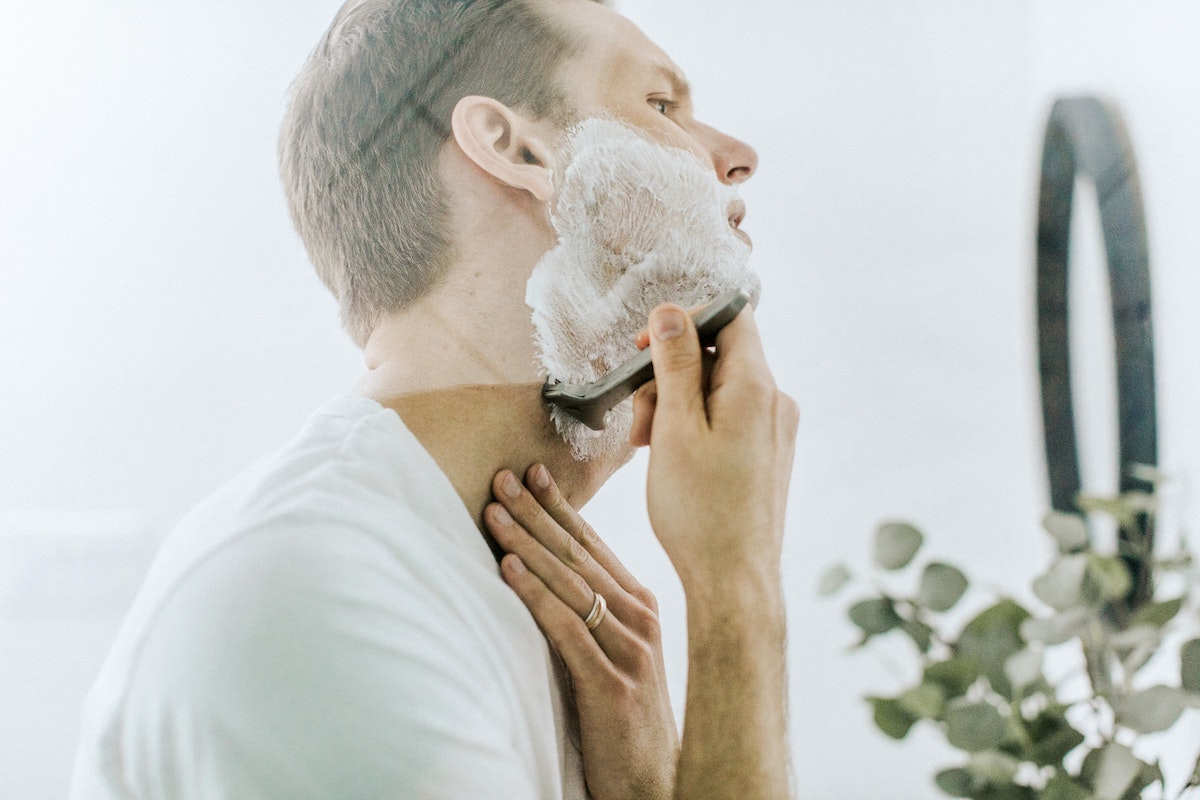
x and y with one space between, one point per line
721 451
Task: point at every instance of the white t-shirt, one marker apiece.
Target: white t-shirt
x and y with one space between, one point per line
330 625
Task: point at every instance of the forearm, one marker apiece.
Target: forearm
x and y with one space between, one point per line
735 727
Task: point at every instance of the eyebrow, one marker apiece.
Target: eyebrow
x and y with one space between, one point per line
679 84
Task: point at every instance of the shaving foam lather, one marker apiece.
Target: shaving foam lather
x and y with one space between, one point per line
589 402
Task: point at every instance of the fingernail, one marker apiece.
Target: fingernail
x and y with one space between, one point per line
667 323
516 565
501 516
511 488
541 476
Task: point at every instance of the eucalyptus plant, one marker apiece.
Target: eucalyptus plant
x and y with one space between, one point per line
984 685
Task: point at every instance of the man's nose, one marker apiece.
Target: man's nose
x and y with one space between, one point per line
734 160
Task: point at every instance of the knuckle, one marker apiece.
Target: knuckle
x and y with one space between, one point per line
575 554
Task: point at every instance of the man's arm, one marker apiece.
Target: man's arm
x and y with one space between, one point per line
720 464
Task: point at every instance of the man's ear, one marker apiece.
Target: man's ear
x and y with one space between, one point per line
504 144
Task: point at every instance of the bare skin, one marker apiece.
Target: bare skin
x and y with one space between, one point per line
720 463
458 367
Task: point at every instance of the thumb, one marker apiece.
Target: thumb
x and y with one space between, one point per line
678 368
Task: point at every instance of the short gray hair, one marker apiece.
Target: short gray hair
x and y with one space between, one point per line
367 118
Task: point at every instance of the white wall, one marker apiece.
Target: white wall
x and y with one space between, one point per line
161 328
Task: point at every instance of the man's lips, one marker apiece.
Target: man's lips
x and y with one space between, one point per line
736 213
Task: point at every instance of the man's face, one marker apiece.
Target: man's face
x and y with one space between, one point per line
621 73
645 211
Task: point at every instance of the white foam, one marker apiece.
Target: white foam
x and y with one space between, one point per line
638 224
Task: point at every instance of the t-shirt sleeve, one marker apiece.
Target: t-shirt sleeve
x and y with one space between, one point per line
286 666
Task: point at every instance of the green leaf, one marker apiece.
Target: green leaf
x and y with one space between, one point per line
1151 773
919 632
1157 614
1109 576
957 782
974 726
1009 791
895 544
926 700
1056 629
891 717
1189 666
991 767
942 585
1023 668
833 580
990 638
1110 770
1125 509
1134 646
1150 710
1061 587
1052 737
1064 787
1069 530
875 616
954 675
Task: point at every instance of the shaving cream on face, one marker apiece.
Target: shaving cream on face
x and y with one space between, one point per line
639 224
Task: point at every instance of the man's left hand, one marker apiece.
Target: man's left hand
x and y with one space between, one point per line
558 566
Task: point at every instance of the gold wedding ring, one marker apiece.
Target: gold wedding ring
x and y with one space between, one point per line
596 615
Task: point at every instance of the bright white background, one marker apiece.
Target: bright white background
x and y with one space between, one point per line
160 327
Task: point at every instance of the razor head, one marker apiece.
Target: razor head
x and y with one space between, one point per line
590 402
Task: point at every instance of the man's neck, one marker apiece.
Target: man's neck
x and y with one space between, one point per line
473 432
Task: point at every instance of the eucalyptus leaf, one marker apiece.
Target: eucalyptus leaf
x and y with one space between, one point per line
1109 576
957 782
926 700
1061 587
1069 530
1151 773
1064 787
1157 614
919 632
990 638
1116 767
974 726
954 675
1023 668
942 585
833 580
1057 629
875 616
895 545
1135 646
1007 791
1150 710
1052 736
993 767
891 717
1189 666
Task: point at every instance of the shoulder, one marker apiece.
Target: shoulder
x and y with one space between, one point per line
322 653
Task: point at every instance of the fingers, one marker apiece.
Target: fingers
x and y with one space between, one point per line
545 491
678 368
561 625
644 402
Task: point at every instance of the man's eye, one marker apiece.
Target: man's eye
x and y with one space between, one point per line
660 105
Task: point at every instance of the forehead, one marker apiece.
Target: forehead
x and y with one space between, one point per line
615 55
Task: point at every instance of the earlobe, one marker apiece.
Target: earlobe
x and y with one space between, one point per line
503 144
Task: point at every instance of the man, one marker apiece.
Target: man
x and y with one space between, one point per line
333 624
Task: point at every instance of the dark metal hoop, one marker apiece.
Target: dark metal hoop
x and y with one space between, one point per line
1086 138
